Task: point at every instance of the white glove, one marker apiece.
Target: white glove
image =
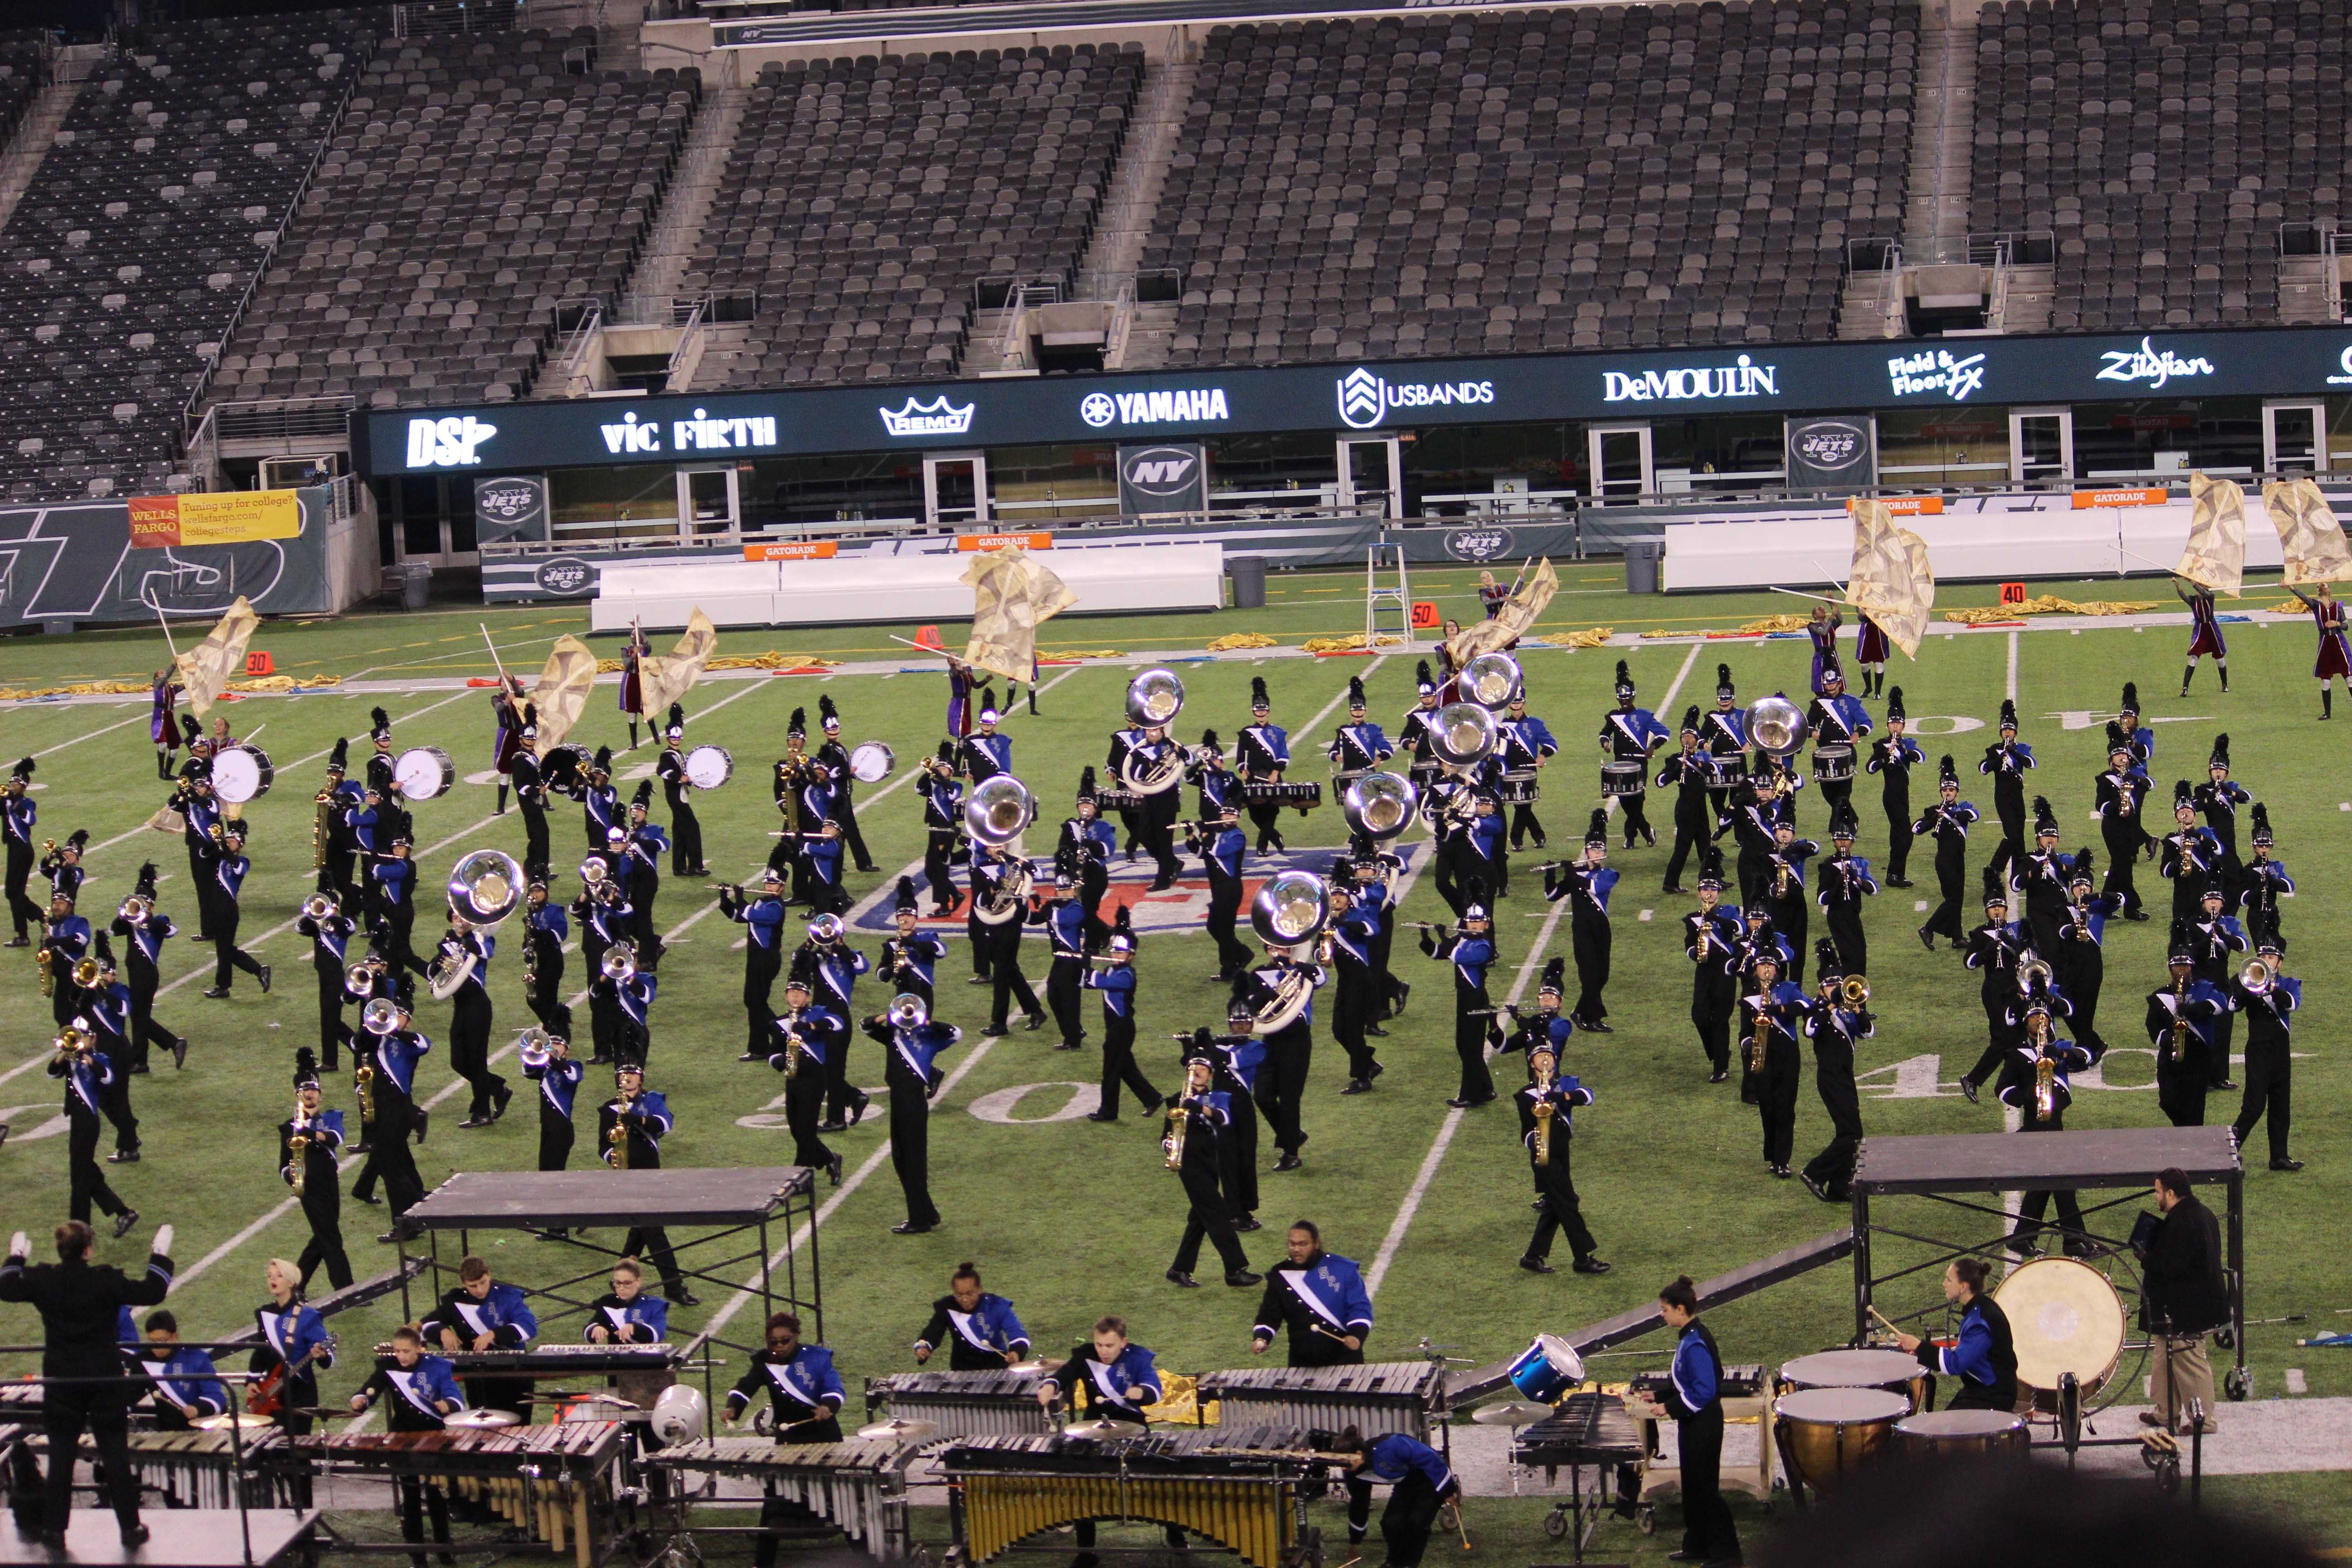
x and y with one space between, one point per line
18 1247
163 1241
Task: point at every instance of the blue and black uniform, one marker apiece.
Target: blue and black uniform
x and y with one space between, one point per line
1981 1360
1420 1482
1694 1398
1317 1305
805 1395
1115 1390
762 916
976 1341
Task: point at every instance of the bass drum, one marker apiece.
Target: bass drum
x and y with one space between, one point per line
870 762
708 767
424 773
242 773
2065 1317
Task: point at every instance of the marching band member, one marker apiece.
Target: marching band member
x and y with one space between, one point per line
1821 630
1869 652
470 1020
1374 866
1546 1026
600 804
530 778
379 763
2006 761
808 1034
2125 728
625 1315
2191 854
1118 1381
1711 936
1128 738
1695 1401
2041 875
2269 1004
1416 734
106 1006
994 875
968 691
1996 949
314 1184
629 1001
834 757
1289 1051
686 827
1198 1119
1221 854
805 1397
392 878
418 1392
295 1338
544 932
18 813
981 1329
641 864
632 680
200 813
2180 1017
1469 948
1691 774
65 942
605 924
1586 884
1527 743
1450 807
912 1053
1118 984
1948 823
1769 1018
1359 747
1631 734
1723 733
1845 882
2335 657
1982 1358
1239 1056
1785 894
1069 944
910 957
1834 718
2080 960
942 795
1317 1299
985 753
506 739
163 689
1354 929
558 1075
2263 882
1547 1109
143 931
183 1385
2043 1108
88 1073
629 1129
1892 756
2205 633
396 1053
762 920
1263 752
2215 936
329 931
1420 1484
1835 1027
63 867
1085 850
477 1315
2122 791
2219 798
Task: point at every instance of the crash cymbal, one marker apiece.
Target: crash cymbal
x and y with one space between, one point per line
1510 1413
1103 1431
897 1430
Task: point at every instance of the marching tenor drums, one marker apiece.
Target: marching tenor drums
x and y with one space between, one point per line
1960 1435
2065 1317
870 762
1829 1434
424 773
708 767
242 773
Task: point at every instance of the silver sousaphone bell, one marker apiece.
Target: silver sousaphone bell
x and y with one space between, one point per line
1291 911
487 887
1466 734
1490 679
1154 700
1380 806
999 810
1776 725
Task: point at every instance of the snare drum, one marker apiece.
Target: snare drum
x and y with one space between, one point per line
1833 764
1517 788
1731 769
1890 1370
1305 796
708 767
1831 1433
1547 1371
242 773
870 762
1624 778
424 773
1960 1435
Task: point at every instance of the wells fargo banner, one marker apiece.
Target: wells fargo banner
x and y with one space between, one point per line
227 517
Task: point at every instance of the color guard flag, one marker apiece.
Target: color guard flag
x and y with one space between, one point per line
665 680
1529 597
2309 536
563 690
207 669
1013 595
2215 555
1890 581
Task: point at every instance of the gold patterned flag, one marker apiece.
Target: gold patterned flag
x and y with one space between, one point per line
1892 582
1529 598
207 669
563 690
664 679
2309 536
1013 595
2215 555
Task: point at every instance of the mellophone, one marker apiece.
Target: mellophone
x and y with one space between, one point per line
964 1404
1374 1398
860 1485
1245 1487
542 1479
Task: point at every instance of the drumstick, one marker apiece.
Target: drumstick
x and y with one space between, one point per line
1889 1327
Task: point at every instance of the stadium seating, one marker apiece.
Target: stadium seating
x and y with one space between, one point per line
1609 178
472 189
141 229
2163 142
866 197
20 80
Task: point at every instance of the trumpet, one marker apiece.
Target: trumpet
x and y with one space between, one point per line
135 909
617 1153
321 906
1856 992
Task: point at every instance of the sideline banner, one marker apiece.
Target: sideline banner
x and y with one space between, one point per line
89 561
229 516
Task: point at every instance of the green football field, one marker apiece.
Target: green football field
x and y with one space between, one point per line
1073 1219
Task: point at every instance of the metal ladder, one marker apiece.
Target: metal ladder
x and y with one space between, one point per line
1378 558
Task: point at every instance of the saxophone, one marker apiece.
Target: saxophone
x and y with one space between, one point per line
298 1155
617 1155
1544 1113
324 802
365 1076
791 1046
1173 1143
2169 1054
49 974
2045 1088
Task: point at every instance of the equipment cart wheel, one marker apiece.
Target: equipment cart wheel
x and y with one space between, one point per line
1645 1519
2236 1384
1555 1523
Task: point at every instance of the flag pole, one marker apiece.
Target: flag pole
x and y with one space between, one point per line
167 634
926 647
1794 595
496 663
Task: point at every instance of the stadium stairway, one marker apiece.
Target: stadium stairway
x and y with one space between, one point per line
1936 219
38 131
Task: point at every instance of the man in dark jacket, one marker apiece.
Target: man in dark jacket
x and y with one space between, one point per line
80 1305
2186 1299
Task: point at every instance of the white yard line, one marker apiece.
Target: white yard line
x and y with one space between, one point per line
77 740
917 772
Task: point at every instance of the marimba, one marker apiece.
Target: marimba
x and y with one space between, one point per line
1744 1382
200 1468
542 1479
1586 1430
963 1403
560 1360
860 1486
1374 1398
1245 1489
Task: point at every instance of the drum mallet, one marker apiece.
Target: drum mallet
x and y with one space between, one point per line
1458 1524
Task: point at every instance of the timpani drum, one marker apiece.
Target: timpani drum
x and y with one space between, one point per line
1832 763
870 762
2064 1317
424 773
1963 1435
1890 1370
242 773
708 767
1517 788
1623 778
1829 1433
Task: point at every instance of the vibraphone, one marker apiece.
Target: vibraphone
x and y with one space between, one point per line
1586 1429
544 1480
1245 1489
962 1403
860 1486
1374 1398
200 1468
1306 795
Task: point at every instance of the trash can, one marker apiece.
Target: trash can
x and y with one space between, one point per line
1642 559
1249 573
415 584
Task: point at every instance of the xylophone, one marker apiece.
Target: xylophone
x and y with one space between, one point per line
1306 795
963 1403
860 1485
1586 1429
1374 1398
1245 1487
199 1469
560 1360
542 1479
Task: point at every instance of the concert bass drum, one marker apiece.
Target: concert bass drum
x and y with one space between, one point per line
242 773
708 767
424 773
2065 1317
